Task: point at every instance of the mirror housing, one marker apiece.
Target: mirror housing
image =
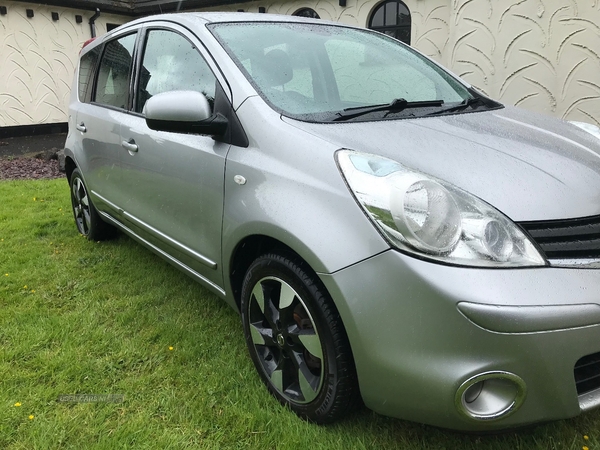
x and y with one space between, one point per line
183 112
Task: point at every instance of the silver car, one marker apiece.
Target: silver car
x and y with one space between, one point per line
387 233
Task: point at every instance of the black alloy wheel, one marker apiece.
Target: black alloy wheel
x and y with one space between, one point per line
296 339
87 219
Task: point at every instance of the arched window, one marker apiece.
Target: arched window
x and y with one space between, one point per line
393 18
307 12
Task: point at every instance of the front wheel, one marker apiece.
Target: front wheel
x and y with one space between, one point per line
296 339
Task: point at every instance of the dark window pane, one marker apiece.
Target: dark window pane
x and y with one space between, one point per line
172 63
377 19
391 9
403 34
86 72
392 18
307 12
403 17
113 77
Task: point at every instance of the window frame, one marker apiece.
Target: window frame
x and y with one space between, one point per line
194 39
112 26
188 36
130 76
384 28
314 14
141 30
91 82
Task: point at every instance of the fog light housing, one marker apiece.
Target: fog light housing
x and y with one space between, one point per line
490 396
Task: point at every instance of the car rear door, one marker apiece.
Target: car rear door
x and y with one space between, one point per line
98 121
174 182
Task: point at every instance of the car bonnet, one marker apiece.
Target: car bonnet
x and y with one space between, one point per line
529 166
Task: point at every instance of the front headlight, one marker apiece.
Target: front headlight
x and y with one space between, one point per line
422 215
592 129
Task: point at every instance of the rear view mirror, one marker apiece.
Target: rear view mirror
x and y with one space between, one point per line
183 112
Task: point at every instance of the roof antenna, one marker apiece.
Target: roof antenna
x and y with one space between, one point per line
179 5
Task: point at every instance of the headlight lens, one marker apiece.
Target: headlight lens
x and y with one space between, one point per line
592 129
424 212
423 215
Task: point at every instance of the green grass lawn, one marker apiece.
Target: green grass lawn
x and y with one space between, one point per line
79 317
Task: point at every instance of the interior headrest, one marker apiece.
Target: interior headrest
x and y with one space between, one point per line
275 68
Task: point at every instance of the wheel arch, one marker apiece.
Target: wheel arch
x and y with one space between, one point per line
246 251
337 392
253 246
70 166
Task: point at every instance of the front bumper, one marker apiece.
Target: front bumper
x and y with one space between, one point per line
418 330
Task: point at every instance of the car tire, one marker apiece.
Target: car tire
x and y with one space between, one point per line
87 219
297 340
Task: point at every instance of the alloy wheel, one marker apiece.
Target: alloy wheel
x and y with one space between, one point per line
81 206
286 341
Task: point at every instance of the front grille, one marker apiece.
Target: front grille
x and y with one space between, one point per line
587 373
570 239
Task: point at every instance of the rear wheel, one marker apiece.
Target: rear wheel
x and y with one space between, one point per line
87 219
296 339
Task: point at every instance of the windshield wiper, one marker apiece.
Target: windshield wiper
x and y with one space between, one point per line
473 102
396 105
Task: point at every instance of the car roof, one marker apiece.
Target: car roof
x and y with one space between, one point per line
191 19
225 17
220 16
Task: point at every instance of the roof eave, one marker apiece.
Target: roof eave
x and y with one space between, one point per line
136 7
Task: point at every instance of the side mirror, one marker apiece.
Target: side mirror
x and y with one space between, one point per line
183 112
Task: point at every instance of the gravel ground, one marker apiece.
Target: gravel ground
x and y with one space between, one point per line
24 168
30 157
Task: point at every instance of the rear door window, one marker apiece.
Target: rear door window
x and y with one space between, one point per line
112 87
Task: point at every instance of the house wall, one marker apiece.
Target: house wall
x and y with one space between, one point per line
542 55
38 57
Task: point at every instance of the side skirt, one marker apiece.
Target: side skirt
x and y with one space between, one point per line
181 266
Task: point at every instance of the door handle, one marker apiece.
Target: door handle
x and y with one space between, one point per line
130 146
81 127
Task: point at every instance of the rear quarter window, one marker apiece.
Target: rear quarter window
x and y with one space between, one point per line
87 66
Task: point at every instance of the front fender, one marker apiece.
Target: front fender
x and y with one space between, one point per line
286 185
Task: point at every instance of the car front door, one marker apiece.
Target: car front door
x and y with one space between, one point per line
174 182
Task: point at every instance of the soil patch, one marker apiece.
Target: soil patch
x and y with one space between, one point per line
31 145
31 157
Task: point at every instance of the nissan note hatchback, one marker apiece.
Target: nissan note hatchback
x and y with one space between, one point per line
387 233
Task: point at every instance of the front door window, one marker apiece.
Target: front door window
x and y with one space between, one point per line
172 63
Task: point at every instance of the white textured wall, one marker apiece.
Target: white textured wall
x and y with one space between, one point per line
37 61
543 55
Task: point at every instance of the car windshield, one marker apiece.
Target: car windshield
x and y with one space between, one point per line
323 73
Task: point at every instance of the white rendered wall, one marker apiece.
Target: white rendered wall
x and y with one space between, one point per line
38 58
